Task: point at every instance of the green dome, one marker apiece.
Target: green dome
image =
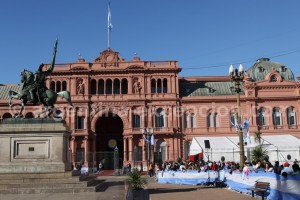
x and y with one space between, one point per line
263 66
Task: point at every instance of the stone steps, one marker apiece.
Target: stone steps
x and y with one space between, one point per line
69 182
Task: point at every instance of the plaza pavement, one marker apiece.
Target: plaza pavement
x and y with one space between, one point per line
117 190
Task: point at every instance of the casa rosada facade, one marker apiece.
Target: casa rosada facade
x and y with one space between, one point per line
114 99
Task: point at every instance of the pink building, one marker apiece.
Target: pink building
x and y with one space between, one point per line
114 99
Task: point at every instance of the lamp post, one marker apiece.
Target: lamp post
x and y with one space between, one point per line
237 76
147 133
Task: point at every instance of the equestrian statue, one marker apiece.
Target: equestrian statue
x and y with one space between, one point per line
35 91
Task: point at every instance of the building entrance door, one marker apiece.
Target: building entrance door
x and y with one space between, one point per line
109 135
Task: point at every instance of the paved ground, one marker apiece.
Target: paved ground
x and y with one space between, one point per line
117 190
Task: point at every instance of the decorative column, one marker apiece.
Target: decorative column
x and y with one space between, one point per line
125 149
86 150
130 149
144 152
130 117
73 156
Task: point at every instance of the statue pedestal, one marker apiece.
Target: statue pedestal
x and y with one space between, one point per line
34 146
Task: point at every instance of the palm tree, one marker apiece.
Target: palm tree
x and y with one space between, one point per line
258 153
257 137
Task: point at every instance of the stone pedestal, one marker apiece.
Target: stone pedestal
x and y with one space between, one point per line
34 146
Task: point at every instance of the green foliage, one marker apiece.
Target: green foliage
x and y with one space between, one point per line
135 180
258 153
257 137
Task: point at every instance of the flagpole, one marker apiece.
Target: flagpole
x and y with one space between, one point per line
108 25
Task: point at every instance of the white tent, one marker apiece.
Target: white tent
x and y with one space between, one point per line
277 146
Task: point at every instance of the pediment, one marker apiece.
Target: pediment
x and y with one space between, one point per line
109 56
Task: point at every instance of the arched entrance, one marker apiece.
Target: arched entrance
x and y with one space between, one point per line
109 135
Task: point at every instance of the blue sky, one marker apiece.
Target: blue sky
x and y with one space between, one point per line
205 36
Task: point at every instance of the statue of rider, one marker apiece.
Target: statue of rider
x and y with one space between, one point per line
38 88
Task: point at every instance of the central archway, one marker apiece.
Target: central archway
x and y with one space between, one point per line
109 134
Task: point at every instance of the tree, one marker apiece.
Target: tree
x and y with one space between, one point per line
258 153
135 180
257 137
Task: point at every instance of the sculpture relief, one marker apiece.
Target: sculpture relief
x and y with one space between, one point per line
80 87
137 87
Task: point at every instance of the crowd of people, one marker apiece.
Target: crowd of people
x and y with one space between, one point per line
260 166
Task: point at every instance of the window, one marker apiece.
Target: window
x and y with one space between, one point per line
64 85
159 88
216 120
100 86
232 118
153 86
273 78
116 86
108 86
193 121
209 120
80 122
58 86
136 119
210 90
277 119
93 86
160 118
261 69
283 69
124 86
187 121
165 86
262 117
291 116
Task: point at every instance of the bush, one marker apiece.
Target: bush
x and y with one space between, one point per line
135 180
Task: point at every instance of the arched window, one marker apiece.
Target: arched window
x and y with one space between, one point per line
261 117
6 115
209 120
58 86
216 120
153 86
277 118
160 118
64 85
93 86
273 78
124 86
187 120
193 121
291 116
161 151
52 85
108 86
29 115
233 119
159 86
101 86
165 86
116 86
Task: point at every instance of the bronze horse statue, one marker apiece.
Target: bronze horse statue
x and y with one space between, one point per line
35 91
48 98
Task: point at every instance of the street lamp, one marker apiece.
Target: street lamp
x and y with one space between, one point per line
147 133
237 76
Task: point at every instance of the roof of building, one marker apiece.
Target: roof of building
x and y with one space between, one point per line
4 89
205 88
263 66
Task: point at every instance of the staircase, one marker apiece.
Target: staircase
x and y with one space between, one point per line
37 183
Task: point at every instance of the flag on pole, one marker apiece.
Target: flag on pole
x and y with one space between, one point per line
109 25
152 139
